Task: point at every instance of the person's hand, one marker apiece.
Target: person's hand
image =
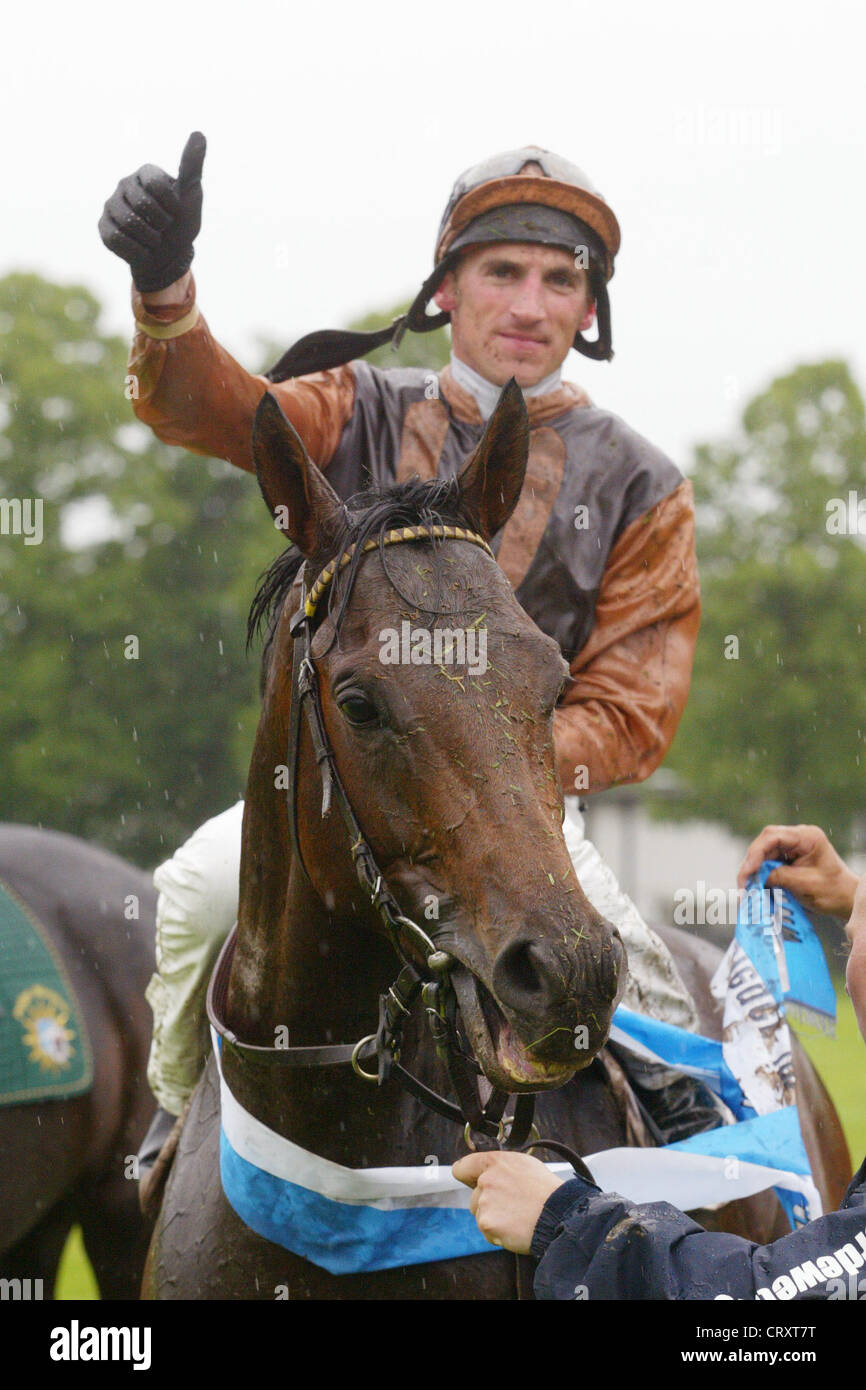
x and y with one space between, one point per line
814 874
510 1190
151 219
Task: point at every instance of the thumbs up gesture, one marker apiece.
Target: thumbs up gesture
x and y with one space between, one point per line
151 219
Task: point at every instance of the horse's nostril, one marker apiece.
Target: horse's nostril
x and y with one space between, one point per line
523 968
519 974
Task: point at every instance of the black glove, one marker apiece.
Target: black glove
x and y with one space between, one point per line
151 220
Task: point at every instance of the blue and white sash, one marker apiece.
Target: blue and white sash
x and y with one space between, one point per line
353 1220
346 1220
719 1165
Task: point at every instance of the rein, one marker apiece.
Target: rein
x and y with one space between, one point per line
484 1124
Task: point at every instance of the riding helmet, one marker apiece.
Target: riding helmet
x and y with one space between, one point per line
494 201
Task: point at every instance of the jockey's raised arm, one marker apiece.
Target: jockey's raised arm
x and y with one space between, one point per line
192 392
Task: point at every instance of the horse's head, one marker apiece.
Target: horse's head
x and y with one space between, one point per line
438 694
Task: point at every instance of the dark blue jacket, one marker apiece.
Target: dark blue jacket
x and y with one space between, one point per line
597 1245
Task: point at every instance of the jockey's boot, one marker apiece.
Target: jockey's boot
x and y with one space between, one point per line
155 1155
675 1105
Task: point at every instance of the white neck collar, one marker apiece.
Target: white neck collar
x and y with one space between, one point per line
486 394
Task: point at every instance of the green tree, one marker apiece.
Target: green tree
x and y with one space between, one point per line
122 630
775 723
128 705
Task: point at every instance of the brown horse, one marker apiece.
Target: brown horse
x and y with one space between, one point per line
65 1162
453 778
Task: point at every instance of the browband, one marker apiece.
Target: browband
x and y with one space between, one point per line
400 533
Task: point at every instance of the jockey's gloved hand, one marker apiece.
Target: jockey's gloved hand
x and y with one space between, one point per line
151 219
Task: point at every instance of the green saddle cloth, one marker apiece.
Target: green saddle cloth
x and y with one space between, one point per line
44 1046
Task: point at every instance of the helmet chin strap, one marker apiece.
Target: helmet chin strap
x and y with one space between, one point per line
333 347
599 348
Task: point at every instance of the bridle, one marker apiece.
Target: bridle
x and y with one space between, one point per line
485 1125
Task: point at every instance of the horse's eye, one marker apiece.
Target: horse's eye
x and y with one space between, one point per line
358 710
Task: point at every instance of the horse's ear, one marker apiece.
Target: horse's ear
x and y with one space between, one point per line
300 498
492 476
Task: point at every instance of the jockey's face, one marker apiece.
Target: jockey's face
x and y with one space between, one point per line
515 308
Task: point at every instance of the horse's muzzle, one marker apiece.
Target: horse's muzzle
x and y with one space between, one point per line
546 1011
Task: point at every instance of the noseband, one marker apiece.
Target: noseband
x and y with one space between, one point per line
484 1126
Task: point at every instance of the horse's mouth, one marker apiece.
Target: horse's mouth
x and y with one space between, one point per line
506 1060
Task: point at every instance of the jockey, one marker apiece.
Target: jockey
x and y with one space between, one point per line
600 549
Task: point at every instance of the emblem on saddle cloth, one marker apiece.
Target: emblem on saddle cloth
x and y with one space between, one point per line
44 1016
44 1047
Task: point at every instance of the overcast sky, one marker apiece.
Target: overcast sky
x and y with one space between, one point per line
729 140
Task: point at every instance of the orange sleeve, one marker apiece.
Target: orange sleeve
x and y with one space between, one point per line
191 392
630 682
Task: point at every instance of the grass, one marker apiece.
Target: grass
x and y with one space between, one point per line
75 1278
841 1062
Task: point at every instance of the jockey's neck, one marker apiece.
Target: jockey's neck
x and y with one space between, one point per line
487 394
